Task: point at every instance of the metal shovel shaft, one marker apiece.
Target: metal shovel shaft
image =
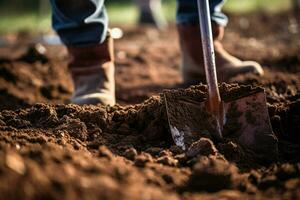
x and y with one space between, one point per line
214 98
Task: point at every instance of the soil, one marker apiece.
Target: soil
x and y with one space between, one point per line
53 150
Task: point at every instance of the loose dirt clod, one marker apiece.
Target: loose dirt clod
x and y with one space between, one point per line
130 153
166 160
105 152
231 151
212 175
203 147
142 159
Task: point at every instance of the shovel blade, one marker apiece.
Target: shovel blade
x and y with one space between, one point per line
246 120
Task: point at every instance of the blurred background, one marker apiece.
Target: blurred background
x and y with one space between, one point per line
35 15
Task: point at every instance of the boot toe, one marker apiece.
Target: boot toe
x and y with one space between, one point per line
94 99
226 72
254 67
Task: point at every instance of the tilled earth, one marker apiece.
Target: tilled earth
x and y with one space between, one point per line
53 150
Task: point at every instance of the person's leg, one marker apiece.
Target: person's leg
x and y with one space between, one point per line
83 27
150 12
191 47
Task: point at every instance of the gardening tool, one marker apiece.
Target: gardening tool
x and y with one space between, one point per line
241 116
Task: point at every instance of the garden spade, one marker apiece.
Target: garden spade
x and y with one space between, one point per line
243 117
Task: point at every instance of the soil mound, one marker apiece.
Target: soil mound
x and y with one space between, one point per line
124 147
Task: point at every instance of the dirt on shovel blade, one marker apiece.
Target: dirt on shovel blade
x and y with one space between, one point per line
51 150
246 118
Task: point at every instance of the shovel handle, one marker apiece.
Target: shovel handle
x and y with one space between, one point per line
214 98
209 55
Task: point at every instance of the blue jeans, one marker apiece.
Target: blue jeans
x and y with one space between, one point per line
85 22
187 12
80 22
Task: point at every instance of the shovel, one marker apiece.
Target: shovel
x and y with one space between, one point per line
242 116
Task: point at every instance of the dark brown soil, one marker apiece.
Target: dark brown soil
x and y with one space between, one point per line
52 150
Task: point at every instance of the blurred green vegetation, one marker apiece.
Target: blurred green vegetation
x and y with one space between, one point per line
35 15
241 6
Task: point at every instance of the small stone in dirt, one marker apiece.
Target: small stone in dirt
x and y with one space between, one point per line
130 153
212 175
105 152
18 147
142 159
167 160
203 147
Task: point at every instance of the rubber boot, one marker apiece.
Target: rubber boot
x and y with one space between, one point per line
92 69
151 13
192 66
